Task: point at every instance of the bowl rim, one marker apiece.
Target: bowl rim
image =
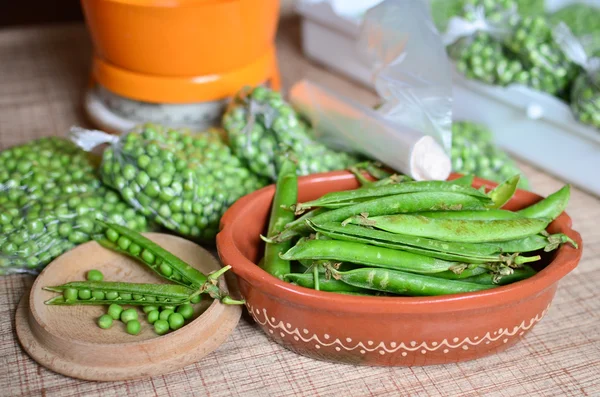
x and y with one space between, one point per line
566 259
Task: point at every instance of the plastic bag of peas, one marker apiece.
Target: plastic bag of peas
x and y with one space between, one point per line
585 94
50 196
261 126
181 180
473 152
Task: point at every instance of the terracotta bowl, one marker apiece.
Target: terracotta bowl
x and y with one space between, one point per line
384 330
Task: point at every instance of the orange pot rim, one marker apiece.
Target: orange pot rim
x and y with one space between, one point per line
565 261
168 3
192 89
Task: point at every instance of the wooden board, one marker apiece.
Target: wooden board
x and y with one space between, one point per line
67 340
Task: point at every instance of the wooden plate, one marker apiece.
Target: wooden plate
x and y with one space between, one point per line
67 340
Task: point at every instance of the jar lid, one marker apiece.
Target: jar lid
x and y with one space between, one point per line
66 339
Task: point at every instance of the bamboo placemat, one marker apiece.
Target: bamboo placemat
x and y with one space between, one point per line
43 73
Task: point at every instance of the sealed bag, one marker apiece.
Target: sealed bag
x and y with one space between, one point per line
473 152
183 181
261 126
50 198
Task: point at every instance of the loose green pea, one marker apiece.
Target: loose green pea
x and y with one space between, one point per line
168 307
176 321
95 275
164 315
161 327
133 327
115 311
148 309
129 315
152 316
105 321
186 310
70 294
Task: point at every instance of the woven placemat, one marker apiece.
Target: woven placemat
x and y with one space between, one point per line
43 74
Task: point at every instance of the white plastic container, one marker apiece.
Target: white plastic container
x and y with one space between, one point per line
534 127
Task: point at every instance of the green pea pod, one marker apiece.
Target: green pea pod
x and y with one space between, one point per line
485 250
465 180
86 293
493 279
403 283
306 280
491 214
550 207
401 203
502 193
390 190
298 223
457 230
470 271
448 251
347 251
159 260
286 195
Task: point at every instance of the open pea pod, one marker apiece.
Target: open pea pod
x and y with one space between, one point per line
162 262
107 292
502 193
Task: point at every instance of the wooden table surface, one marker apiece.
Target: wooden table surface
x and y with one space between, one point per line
43 74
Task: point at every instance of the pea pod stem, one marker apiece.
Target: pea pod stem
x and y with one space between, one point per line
489 278
401 203
404 283
346 251
456 230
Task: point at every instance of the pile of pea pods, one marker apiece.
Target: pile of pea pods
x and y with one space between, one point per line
474 152
166 306
261 126
395 236
50 196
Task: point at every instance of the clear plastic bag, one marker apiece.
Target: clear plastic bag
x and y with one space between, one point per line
261 126
410 131
474 152
181 180
585 94
412 73
50 196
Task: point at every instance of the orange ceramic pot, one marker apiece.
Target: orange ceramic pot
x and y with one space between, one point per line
182 50
388 331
